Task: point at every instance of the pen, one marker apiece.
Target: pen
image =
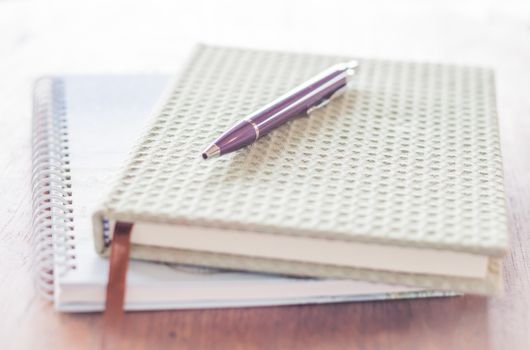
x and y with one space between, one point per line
307 97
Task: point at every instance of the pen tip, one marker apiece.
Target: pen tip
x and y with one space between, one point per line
211 151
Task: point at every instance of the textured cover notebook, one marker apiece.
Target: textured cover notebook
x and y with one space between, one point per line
399 181
83 129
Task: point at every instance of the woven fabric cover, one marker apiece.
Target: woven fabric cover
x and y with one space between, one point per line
408 156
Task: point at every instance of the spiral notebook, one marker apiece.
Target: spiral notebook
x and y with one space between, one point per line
83 127
398 181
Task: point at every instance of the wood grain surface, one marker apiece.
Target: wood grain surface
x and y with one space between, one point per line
61 36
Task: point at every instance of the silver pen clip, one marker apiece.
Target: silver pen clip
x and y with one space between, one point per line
350 72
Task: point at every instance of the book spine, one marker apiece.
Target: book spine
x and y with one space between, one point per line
52 222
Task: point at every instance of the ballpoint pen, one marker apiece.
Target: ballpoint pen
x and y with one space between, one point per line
305 98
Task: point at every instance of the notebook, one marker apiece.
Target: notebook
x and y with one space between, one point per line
399 181
83 127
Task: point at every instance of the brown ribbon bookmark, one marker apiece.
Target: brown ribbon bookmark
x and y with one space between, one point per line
118 263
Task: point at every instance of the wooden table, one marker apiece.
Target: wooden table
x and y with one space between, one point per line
114 37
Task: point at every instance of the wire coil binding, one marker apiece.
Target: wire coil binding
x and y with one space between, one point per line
52 220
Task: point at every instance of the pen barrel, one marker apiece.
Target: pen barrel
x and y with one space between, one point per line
298 104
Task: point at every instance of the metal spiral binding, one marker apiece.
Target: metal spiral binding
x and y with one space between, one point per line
52 197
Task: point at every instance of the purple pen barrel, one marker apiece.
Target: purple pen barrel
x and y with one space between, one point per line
306 97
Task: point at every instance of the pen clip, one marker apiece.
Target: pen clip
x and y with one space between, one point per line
350 69
325 101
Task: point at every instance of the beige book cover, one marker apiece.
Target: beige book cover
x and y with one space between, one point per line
398 181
